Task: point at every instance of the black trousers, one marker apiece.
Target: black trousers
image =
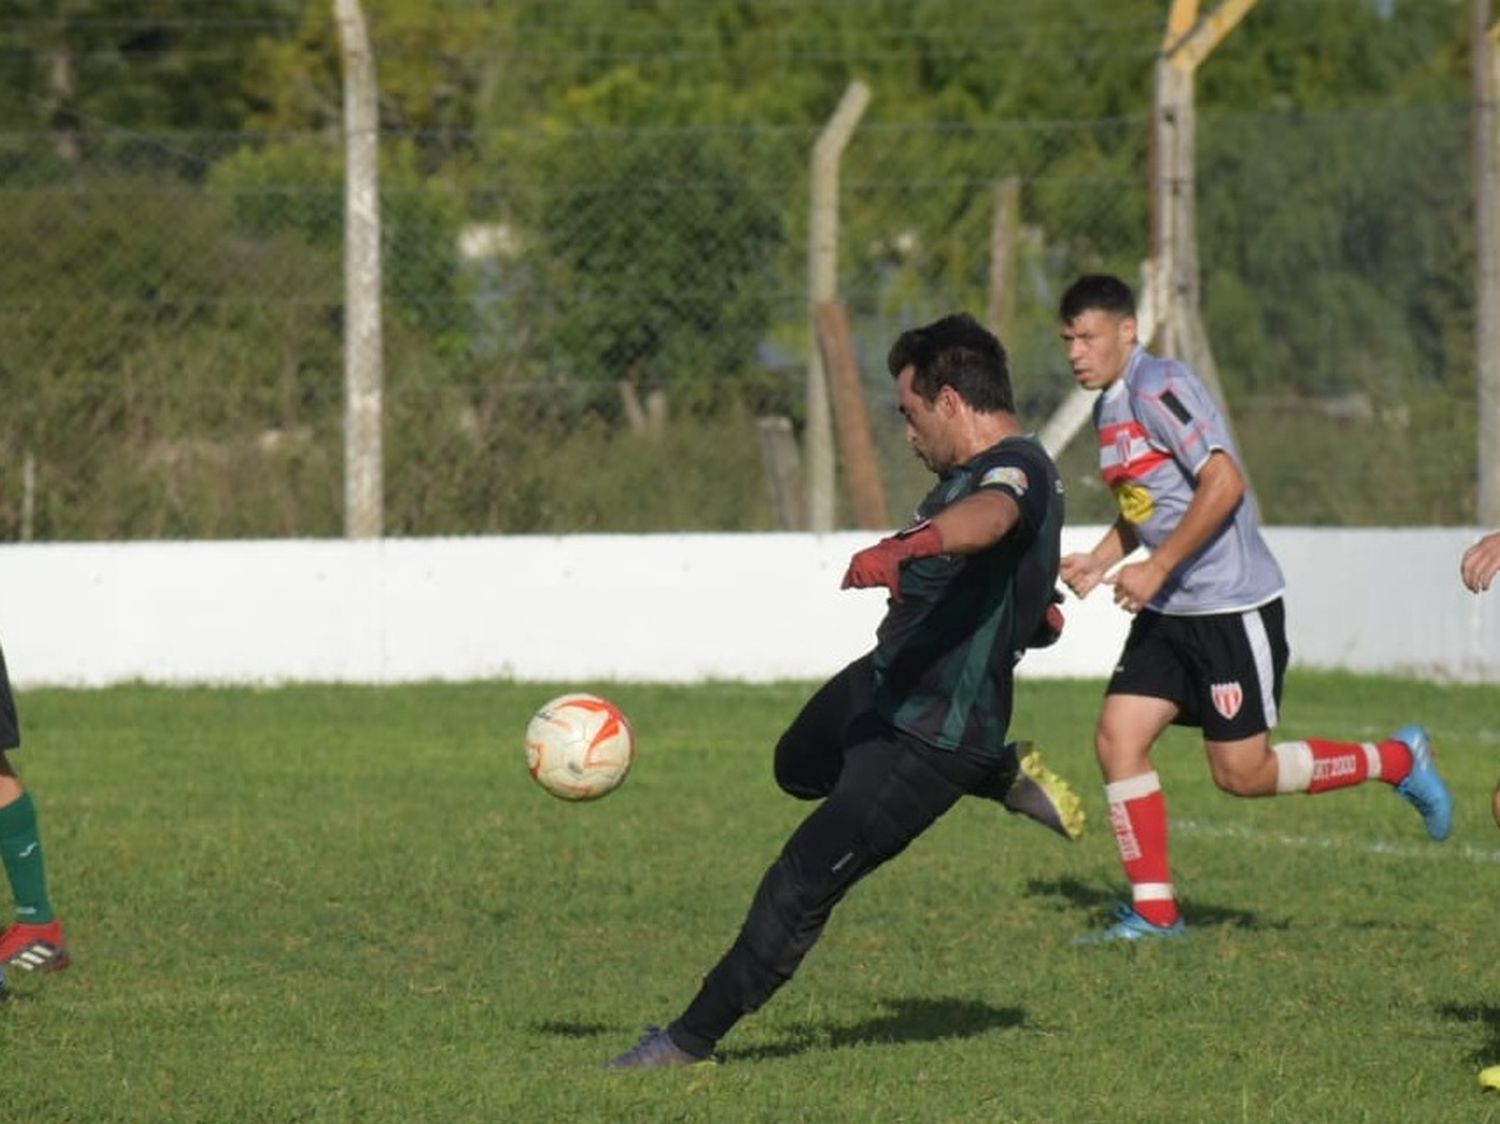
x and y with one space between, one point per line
880 788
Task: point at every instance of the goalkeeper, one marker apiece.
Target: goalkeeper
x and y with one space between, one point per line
895 739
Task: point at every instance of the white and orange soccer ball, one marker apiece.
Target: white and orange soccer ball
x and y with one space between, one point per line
579 747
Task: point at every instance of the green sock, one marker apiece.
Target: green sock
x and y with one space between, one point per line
21 851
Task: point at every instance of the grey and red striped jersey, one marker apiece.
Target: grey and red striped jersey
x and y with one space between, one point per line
1157 426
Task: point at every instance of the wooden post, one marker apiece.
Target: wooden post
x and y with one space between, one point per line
28 496
1169 319
1174 231
1486 160
783 465
363 371
60 95
1004 228
822 285
861 465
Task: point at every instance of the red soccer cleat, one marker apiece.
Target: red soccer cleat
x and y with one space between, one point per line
36 948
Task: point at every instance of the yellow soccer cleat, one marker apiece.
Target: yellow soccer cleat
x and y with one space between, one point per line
1489 1077
1042 795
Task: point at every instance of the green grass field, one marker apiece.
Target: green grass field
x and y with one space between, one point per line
352 904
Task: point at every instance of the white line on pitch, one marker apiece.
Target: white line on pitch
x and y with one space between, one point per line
1466 851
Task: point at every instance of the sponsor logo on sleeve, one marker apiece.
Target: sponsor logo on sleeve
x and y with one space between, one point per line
1174 404
1006 476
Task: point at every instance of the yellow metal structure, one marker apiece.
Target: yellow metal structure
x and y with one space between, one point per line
1180 21
1189 40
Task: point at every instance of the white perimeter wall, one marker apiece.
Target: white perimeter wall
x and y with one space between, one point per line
659 607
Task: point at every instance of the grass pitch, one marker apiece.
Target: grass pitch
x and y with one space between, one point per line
350 904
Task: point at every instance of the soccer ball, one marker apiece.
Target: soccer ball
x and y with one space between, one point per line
579 747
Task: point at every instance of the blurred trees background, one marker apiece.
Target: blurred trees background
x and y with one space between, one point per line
595 219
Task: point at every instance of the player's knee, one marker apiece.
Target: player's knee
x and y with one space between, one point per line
796 776
1238 778
1119 757
800 772
796 786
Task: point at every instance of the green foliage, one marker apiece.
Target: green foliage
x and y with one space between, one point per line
271 922
1355 461
151 65
640 171
294 188
1341 54
657 262
298 189
145 392
1357 278
551 461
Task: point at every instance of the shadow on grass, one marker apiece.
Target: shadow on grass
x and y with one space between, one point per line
1487 1015
906 1020
1101 901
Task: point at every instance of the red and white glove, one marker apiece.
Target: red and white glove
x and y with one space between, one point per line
881 564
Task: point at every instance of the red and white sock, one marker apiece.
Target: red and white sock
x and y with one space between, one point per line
1138 815
1317 766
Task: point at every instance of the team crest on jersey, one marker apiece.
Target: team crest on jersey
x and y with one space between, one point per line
1228 698
1008 475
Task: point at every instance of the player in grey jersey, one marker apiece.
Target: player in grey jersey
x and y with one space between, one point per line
1207 647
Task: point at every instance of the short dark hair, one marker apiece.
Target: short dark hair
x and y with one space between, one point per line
955 351
1096 291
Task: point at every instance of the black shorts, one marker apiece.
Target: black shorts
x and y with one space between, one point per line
10 725
1224 671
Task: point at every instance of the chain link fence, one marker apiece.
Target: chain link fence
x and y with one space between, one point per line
582 331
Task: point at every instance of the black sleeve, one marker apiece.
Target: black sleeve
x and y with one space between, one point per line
1012 469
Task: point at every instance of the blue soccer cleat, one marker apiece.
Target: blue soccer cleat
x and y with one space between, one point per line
1131 926
1423 788
655 1050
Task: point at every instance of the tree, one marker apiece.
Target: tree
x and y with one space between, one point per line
658 263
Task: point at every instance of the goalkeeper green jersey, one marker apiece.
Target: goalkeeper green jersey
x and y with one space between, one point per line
946 650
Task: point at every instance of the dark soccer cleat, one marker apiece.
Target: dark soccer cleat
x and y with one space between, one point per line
1423 788
1042 795
36 948
655 1050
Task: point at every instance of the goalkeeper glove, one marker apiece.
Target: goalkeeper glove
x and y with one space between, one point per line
1049 628
881 564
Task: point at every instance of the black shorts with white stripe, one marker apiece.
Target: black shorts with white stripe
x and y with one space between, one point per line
1223 670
